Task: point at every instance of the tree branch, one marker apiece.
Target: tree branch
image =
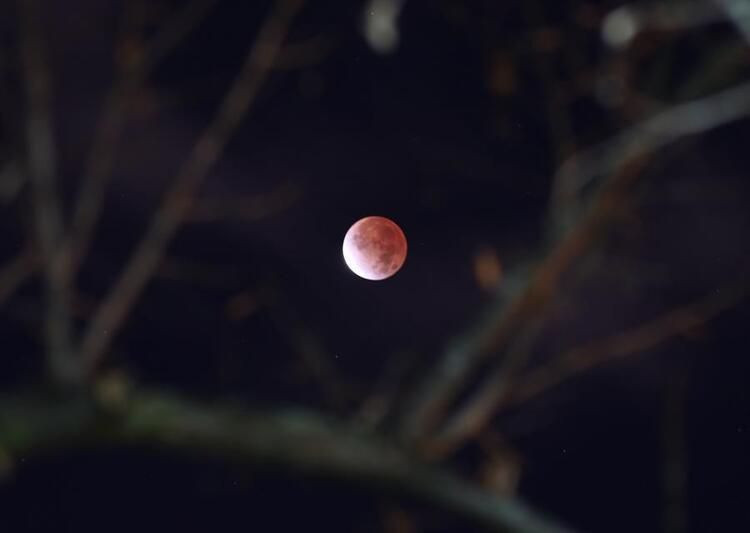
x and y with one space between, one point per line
134 69
302 442
576 225
738 12
679 121
15 272
519 302
179 198
48 220
643 337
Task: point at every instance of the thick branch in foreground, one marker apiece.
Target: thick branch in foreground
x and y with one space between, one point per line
300 442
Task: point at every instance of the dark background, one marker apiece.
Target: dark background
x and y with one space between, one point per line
456 135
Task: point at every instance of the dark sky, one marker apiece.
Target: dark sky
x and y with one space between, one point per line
424 136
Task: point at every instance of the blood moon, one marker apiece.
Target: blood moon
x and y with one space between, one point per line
374 248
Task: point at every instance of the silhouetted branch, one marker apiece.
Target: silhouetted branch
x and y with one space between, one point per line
178 200
301 442
620 160
498 390
643 337
15 272
623 24
11 180
646 137
48 218
134 68
738 12
253 207
518 303
674 455
472 416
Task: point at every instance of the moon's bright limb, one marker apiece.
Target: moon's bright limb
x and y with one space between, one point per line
374 248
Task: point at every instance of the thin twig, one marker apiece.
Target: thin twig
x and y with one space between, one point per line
738 12
521 302
381 402
618 160
135 68
319 363
476 411
11 180
101 158
674 455
623 24
254 207
498 391
643 337
48 220
179 198
675 123
15 272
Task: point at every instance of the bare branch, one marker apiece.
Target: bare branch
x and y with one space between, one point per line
11 181
738 12
498 390
254 207
682 120
178 200
520 300
623 24
134 69
578 225
48 221
643 337
174 32
15 272
476 411
674 455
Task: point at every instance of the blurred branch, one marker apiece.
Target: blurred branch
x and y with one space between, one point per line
677 322
15 272
179 198
519 301
674 454
623 24
336 391
478 409
620 159
304 54
562 137
48 219
738 12
135 66
11 181
254 207
639 140
382 399
302 442
134 69
174 32
498 391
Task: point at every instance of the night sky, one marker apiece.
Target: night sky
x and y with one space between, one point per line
457 134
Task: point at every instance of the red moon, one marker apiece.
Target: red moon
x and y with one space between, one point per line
374 248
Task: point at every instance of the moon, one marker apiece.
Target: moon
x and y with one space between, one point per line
374 248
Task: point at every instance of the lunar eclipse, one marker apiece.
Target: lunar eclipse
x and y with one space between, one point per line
374 248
